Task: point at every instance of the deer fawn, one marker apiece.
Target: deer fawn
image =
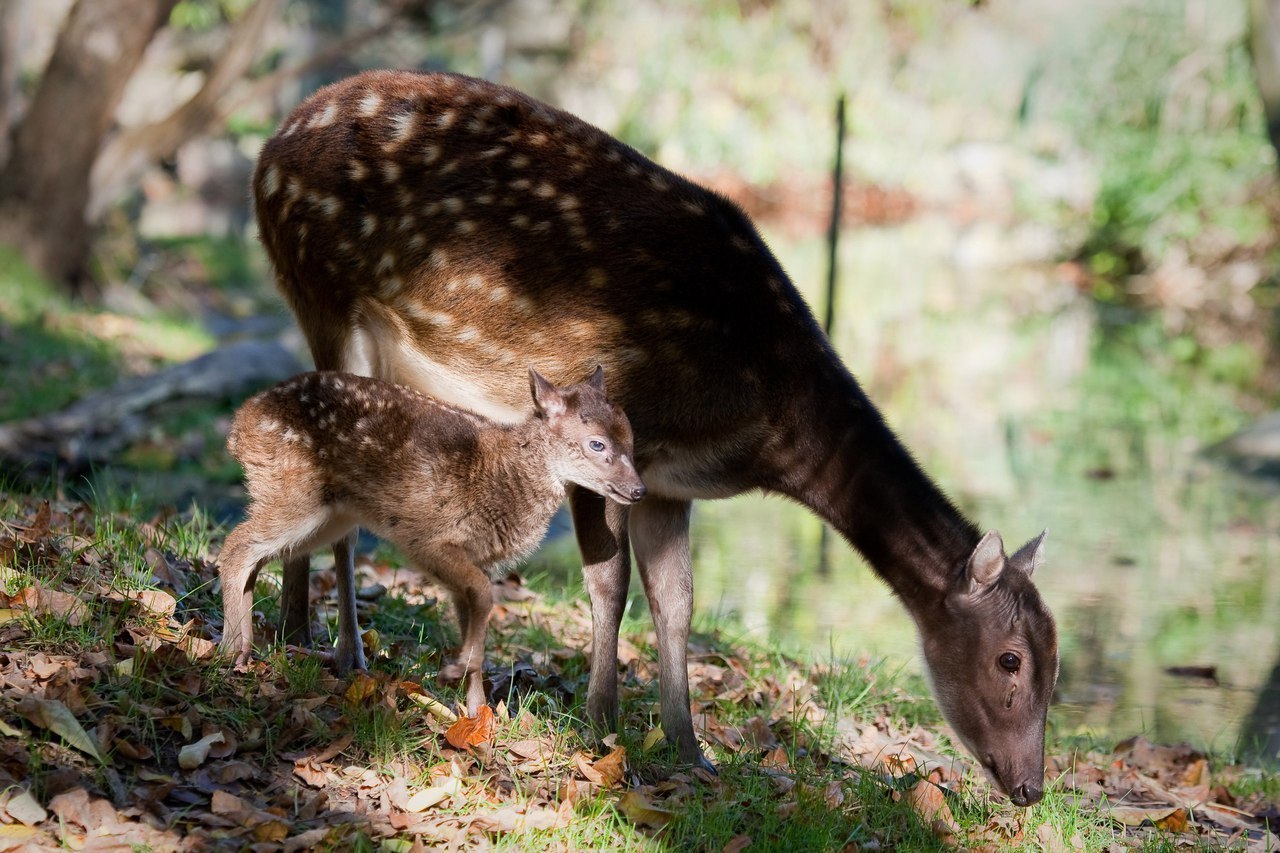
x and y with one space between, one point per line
438 231
460 495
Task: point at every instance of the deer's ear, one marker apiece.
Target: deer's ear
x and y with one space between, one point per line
548 402
985 563
1030 556
597 379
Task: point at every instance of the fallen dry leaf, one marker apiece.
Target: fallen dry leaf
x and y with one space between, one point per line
472 731
23 807
639 809
428 797
57 718
1137 815
362 686
517 819
193 755
612 767
737 843
930 804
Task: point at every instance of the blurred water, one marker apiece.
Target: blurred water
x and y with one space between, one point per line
1157 559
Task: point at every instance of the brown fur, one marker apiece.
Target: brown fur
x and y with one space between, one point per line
439 231
460 495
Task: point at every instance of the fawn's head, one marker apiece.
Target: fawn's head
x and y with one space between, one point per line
589 436
992 654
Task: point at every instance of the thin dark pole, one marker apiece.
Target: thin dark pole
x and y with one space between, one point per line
837 204
833 241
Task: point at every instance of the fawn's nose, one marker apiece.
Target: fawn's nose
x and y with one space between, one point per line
638 492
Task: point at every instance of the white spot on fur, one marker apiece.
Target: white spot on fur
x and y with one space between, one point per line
402 126
519 161
368 224
445 120
386 264
439 258
497 294
520 220
325 117
452 204
467 333
545 190
271 181
520 184
466 226
597 277
430 154
694 207
330 206
659 183
357 170
369 104
390 171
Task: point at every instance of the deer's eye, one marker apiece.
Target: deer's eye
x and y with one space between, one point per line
597 446
1010 662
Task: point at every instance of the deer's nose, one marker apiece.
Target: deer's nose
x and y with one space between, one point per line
1026 795
638 492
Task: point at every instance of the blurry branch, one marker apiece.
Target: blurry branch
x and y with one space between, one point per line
128 154
92 430
268 84
9 31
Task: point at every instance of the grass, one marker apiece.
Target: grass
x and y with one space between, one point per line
798 788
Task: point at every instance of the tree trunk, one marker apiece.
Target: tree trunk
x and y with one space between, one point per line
44 187
1264 47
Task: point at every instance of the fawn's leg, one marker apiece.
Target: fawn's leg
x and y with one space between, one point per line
601 529
295 602
348 652
473 597
660 532
238 568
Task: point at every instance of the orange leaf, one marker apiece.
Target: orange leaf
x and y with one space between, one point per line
472 731
929 803
360 688
611 767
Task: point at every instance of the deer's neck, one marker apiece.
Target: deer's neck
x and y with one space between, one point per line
847 466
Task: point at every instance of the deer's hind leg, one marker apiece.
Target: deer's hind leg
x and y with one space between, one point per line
348 652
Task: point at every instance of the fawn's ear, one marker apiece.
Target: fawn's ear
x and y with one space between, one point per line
596 380
548 402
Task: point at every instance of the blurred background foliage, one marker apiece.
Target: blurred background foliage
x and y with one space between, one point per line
1057 266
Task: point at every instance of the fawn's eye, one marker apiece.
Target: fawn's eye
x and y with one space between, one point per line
1010 662
597 446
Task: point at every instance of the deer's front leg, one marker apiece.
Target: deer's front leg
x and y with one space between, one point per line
473 598
660 533
601 529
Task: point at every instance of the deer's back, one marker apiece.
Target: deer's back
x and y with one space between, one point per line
448 233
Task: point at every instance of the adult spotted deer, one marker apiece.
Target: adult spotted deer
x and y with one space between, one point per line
443 232
459 495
